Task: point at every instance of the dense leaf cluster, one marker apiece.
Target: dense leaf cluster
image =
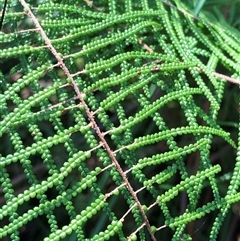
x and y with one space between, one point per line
103 105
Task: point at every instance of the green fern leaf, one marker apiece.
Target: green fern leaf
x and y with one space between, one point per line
110 112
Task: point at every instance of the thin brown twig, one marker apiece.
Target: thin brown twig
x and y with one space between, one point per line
224 77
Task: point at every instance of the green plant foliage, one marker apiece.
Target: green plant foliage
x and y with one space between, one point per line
103 105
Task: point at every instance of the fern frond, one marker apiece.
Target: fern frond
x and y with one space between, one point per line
110 113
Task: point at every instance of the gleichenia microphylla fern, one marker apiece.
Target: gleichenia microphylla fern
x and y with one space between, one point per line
109 117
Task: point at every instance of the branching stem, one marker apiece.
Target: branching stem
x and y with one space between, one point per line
89 114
